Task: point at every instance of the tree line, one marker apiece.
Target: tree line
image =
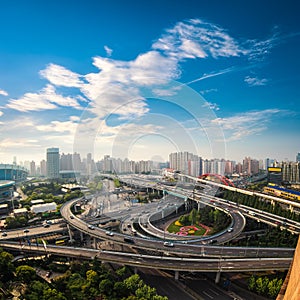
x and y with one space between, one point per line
80 280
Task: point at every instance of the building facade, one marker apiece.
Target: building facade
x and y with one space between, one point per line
13 172
291 172
53 163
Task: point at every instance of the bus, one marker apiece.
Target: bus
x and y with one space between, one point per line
60 242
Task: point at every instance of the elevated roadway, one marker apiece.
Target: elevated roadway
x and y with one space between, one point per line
159 262
179 247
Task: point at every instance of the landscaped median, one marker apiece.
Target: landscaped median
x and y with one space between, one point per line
205 222
197 229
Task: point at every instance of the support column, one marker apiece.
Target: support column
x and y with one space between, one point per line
176 275
81 236
291 207
218 276
135 270
70 234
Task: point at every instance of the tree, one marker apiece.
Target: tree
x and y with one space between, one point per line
145 292
92 278
252 283
25 273
74 285
53 294
6 266
133 282
193 216
120 290
106 286
122 272
274 287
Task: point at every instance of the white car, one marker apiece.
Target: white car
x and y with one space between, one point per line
168 244
109 233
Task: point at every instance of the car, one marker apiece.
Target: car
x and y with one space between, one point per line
109 233
213 241
168 244
46 225
4 234
128 240
26 230
230 229
48 274
91 227
71 217
49 222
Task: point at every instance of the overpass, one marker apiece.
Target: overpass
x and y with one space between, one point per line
181 257
155 261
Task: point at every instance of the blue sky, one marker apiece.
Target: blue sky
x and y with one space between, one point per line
142 79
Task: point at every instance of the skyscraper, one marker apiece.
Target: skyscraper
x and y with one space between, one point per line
53 163
298 157
43 165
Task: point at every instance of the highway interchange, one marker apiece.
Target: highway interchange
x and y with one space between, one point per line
185 254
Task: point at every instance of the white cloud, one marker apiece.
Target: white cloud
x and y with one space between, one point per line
245 124
3 93
58 126
1 113
213 74
258 50
203 92
116 88
108 50
210 105
18 142
61 76
197 39
118 83
255 81
46 99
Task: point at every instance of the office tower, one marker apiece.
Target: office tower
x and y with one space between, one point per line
53 163
291 172
27 164
108 167
185 162
43 165
66 162
77 164
32 171
298 157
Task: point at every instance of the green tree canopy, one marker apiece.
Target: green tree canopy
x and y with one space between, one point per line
25 273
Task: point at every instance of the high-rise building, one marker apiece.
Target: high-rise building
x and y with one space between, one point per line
291 172
77 164
32 171
53 163
66 162
43 165
107 164
185 162
250 166
298 157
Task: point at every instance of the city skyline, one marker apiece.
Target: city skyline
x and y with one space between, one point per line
142 80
